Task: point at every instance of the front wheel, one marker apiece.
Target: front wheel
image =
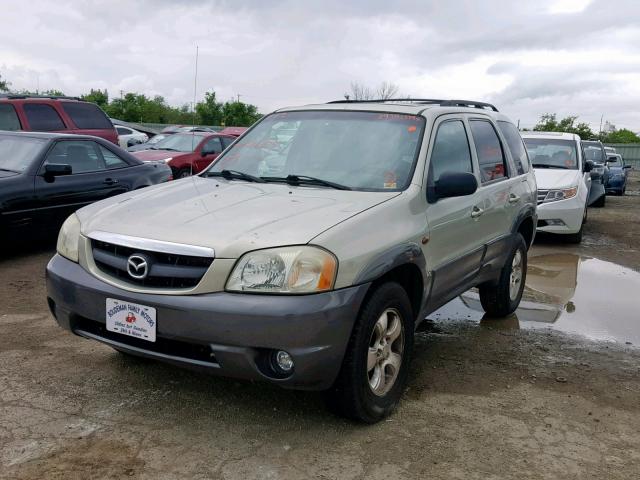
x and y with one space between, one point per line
376 364
501 298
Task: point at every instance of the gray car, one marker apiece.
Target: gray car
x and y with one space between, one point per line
309 260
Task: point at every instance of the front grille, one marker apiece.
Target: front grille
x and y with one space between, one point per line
165 270
542 194
167 346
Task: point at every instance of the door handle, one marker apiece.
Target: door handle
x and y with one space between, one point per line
476 212
111 181
513 198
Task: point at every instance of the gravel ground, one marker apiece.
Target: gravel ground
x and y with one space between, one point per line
485 401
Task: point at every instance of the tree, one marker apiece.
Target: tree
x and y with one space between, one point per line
98 97
239 114
549 123
385 91
4 85
621 136
209 111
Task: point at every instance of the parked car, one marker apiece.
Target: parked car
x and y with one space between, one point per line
44 177
610 150
618 173
185 129
128 136
314 278
147 145
594 150
186 153
35 113
563 179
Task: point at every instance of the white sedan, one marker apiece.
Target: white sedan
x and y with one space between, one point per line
128 136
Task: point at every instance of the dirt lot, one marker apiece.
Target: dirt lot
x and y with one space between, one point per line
486 400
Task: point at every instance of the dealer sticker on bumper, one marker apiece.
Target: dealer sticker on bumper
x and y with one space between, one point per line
131 319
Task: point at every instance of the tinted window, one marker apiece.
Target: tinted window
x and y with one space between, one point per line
8 117
593 151
123 131
489 151
516 146
87 115
226 141
552 153
213 146
43 117
17 153
450 150
111 160
83 156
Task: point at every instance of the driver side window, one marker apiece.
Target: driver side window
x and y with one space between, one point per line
81 155
451 151
212 146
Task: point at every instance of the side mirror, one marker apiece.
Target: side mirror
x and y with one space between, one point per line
588 166
453 184
57 169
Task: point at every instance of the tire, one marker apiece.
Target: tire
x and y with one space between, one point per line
600 202
499 299
360 392
182 173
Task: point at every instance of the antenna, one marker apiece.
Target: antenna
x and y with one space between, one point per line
193 123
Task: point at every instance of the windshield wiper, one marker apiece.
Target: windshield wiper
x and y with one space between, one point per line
234 174
299 179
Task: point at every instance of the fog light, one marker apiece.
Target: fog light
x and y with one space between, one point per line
284 361
556 222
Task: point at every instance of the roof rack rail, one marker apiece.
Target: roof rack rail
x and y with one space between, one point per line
426 101
21 96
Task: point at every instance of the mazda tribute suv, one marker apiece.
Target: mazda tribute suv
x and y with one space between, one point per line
308 259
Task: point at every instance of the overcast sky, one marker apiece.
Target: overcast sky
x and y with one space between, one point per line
529 57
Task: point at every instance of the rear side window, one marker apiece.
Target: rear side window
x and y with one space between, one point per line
489 151
9 118
516 146
111 160
87 115
451 151
213 146
226 141
42 117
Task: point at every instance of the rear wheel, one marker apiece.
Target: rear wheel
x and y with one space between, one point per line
183 173
376 364
501 298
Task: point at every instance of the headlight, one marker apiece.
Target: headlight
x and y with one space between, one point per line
69 237
167 160
301 269
561 194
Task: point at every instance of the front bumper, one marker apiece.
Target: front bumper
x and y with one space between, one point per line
223 333
615 184
570 212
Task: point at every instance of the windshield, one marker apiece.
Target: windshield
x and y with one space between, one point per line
552 153
360 150
614 161
593 151
18 153
180 142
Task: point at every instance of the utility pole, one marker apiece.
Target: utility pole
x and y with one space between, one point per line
601 117
239 98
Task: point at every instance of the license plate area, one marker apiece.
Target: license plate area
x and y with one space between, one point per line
131 319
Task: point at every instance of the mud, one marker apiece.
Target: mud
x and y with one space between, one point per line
485 400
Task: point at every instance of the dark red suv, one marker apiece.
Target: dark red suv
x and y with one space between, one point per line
34 113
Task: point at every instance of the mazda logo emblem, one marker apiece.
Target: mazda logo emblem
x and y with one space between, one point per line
138 266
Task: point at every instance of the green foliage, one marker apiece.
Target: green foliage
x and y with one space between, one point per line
549 123
621 136
99 97
209 112
239 114
4 85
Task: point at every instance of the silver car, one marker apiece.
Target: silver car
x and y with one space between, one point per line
308 260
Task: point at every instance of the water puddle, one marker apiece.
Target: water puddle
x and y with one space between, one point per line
565 292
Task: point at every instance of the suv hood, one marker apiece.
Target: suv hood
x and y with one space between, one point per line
232 217
549 178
